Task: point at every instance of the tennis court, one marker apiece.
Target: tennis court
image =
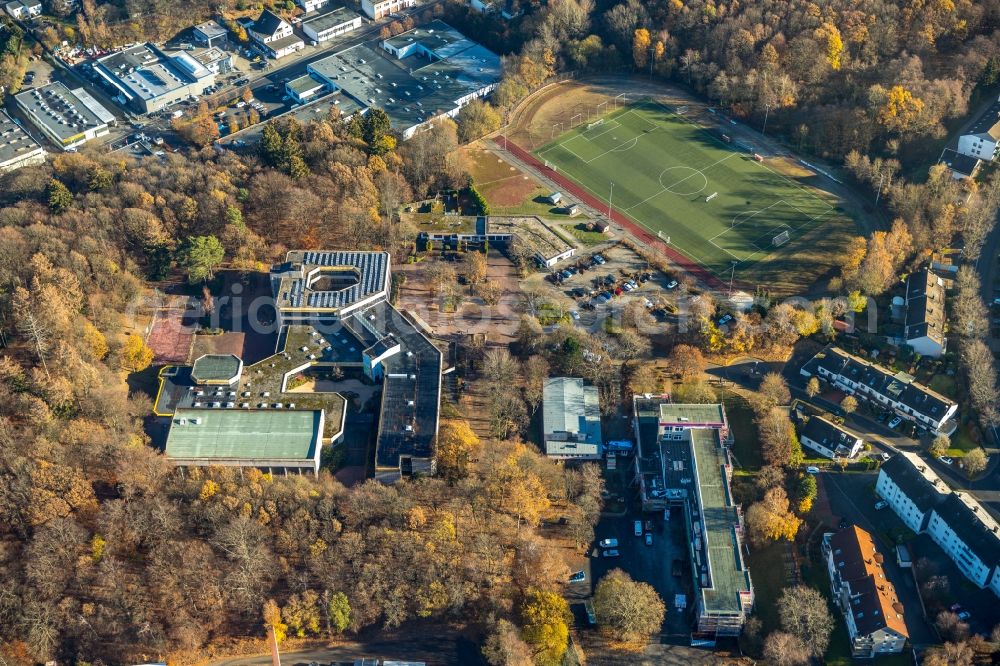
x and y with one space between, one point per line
709 197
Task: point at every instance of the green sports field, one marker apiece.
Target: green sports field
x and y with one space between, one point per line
663 168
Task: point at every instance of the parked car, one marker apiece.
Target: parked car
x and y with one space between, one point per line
611 553
591 616
608 543
599 260
883 456
946 460
649 539
964 615
955 608
672 284
578 577
896 420
649 525
725 319
637 527
575 315
812 470
881 504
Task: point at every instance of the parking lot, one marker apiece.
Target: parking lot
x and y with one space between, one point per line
603 282
648 563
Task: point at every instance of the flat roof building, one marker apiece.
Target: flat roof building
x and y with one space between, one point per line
376 9
571 419
147 79
211 34
537 235
68 118
330 24
683 459
304 88
434 72
333 313
272 440
17 148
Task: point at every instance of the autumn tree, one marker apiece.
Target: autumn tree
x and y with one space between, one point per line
271 613
686 361
812 387
849 404
135 354
774 390
940 445
771 519
457 446
975 461
544 625
631 612
475 267
505 647
779 443
641 43
805 614
476 119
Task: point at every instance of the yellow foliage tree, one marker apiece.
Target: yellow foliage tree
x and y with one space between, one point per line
272 620
640 47
456 447
135 354
94 341
829 35
901 110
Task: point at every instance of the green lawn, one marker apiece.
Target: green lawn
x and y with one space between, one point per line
663 168
746 447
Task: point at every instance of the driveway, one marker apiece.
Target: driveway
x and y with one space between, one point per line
851 496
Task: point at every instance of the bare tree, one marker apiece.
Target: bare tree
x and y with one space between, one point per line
805 614
31 326
784 649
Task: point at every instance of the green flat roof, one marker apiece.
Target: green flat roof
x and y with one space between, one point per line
268 434
692 414
728 572
216 368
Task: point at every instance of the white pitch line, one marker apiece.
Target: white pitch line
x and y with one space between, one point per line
696 171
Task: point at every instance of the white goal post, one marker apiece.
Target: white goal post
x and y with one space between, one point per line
711 196
780 239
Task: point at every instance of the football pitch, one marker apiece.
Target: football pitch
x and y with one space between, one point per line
684 183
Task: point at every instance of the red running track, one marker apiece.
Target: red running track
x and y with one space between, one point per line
684 262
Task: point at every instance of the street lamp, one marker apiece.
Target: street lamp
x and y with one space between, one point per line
767 110
732 274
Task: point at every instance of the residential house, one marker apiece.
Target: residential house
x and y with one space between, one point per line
982 140
872 611
571 419
971 538
23 10
828 439
962 166
897 392
956 522
925 314
274 35
376 9
911 488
